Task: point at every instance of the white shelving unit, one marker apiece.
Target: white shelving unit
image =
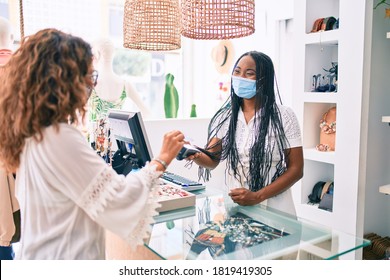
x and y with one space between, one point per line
313 52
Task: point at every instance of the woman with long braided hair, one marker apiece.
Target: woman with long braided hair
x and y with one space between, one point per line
259 139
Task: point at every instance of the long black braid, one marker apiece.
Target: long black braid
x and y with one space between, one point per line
270 124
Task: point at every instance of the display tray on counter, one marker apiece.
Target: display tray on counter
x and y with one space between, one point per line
171 198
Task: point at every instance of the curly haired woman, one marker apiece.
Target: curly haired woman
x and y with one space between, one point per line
68 194
259 139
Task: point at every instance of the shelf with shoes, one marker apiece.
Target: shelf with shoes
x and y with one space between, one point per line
318 45
329 52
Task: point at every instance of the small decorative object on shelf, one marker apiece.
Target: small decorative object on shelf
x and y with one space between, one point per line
329 81
328 131
171 97
193 111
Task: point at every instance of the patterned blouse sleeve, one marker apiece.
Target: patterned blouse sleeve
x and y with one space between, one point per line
123 205
291 126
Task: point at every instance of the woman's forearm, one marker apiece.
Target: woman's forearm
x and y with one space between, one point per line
293 174
204 160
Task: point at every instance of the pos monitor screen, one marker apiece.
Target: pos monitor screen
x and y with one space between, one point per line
133 148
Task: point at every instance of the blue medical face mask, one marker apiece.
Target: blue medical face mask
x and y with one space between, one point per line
244 88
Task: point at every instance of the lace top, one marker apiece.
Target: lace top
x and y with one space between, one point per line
69 196
245 136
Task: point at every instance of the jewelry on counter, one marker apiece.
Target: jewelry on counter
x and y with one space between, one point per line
237 229
167 192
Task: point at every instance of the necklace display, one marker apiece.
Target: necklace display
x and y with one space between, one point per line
101 141
238 229
100 131
326 127
327 131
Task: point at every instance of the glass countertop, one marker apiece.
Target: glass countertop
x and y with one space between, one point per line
217 229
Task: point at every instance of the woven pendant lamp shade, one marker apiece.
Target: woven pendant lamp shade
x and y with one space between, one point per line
152 25
217 19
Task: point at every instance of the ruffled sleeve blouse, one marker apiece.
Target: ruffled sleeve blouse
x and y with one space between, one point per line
69 196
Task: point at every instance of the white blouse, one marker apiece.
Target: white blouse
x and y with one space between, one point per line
245 137
68 196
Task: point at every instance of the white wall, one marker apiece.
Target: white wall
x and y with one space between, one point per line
201 78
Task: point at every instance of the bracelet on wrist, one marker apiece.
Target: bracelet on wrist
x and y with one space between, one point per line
162 162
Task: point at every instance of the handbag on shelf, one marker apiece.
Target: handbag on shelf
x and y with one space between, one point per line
325 24
317 25
322 194
328 131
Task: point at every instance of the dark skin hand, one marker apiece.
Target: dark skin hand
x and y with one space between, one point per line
243 196
294 172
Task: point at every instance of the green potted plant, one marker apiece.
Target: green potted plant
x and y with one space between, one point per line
171 97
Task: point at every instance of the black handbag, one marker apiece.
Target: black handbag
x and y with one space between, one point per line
315 196
16 236
16 217
318 193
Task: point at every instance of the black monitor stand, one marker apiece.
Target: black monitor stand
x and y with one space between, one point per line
124 161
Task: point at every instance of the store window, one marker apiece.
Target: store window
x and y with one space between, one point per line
96 19
196 78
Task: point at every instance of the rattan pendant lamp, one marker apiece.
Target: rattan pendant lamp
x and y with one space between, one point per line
152 25
217 19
